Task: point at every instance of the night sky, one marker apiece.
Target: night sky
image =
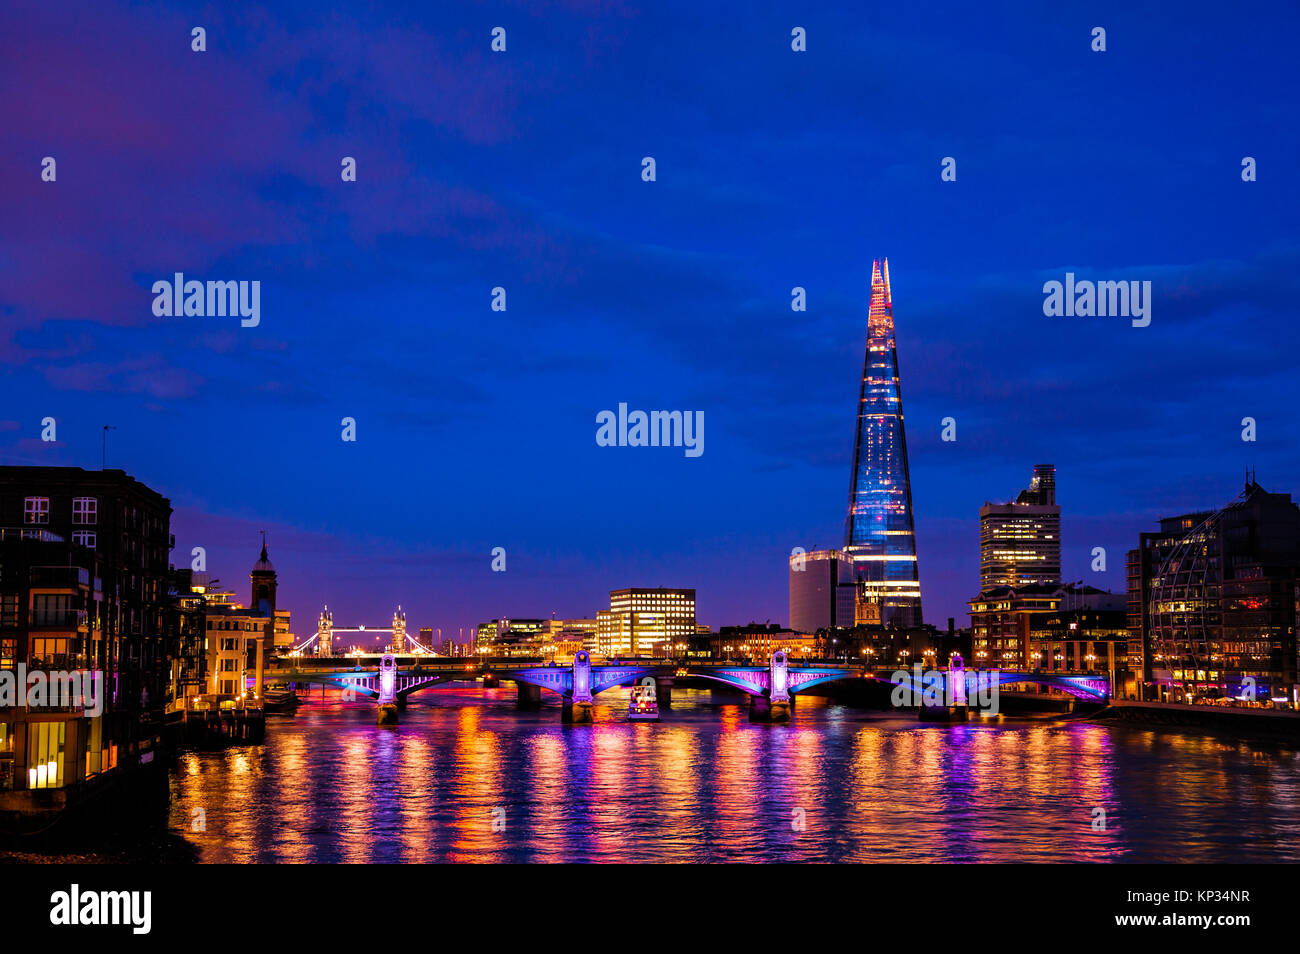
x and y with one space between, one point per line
476 429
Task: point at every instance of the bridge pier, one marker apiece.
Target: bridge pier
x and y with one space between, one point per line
943 713
576 713
775 706
387 685
763 709
578 704
664 691
530 696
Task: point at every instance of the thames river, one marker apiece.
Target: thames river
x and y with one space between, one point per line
468 778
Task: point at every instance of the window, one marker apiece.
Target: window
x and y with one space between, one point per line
8 609
36 510
45 754
85 538
48 652
85 510
96 756
51 609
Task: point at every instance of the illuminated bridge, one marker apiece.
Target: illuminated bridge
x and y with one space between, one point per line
391 679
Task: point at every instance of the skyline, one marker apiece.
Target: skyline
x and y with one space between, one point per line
476 172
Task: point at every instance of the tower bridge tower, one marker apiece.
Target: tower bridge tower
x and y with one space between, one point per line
398 644
325 633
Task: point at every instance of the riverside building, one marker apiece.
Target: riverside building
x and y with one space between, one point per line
84 589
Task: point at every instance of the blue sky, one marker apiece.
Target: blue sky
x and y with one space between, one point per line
522 170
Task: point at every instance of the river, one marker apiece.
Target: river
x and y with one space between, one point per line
467 777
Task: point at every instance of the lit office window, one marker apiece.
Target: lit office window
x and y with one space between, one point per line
36 510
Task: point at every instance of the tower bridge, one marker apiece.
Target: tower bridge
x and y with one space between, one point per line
400 641
391 678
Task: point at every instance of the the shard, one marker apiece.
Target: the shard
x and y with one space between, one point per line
878 533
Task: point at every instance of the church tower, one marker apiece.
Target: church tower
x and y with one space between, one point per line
263 583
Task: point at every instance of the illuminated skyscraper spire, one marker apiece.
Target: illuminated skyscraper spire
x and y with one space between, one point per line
878 532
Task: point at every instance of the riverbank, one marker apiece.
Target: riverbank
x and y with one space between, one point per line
124 820
1266 722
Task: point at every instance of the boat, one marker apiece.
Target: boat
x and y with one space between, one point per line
643 706
280 699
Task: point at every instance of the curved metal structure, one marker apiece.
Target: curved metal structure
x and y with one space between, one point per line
1185 604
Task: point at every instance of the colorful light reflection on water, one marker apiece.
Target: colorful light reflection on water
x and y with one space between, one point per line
466 777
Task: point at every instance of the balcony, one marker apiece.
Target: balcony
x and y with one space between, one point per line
11 534
56 662
59 577
58 619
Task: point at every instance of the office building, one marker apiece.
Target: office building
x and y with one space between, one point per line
1084 639
1212 602
756 642
646 622
822 593
511 637
1004 620
1020 541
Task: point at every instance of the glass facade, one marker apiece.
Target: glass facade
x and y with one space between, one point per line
821 591
878 533
1214 596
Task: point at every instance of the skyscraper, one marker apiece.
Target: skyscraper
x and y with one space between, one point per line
821 590
878 533
1020 542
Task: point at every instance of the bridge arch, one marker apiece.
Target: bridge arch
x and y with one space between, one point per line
1092 688
800 681
558 681
755 686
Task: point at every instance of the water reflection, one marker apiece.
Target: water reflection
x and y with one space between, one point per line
466 777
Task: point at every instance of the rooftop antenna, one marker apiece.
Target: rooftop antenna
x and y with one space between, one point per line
103 447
